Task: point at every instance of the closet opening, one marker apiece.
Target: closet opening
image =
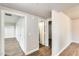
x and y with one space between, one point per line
41 34
50 33
13 34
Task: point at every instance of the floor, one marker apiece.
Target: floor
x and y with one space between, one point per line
12 47
43 51
50 43
72 50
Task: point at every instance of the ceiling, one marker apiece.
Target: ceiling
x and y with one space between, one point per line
12 20
39 9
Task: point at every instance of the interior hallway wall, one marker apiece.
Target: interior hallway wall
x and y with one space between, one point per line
61 31
46 33
75 30
73 13
9 31
1 36
41 33
32 34
21 33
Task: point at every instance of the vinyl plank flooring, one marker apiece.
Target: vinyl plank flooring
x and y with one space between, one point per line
71 50
43 51
12 47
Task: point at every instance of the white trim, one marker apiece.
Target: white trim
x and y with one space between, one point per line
2 33
27 53
75 41
63 49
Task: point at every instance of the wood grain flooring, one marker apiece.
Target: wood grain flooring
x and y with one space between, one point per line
43 51
12 47
71 50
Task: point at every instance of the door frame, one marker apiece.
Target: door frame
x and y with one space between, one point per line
2 33
2 26
49 34
44 32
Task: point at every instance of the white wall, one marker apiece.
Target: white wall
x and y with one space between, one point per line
0 35
61 31
32 34
9 31
21 33
27 33
46 33
41 33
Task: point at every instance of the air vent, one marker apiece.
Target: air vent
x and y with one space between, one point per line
8 14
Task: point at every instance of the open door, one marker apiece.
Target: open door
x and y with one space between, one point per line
1 34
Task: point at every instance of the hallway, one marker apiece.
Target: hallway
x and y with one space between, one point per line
43 51
12 47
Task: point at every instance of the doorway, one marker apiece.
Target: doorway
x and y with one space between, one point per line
13 34
41 34
50 33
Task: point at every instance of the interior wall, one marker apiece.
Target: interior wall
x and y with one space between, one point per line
61 31
46 33
73 13
9 31
32 34
0 36
21 33
75 30
41 33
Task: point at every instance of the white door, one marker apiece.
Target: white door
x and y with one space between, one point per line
41 29
1 33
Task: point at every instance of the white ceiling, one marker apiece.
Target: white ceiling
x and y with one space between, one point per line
39 9
11 19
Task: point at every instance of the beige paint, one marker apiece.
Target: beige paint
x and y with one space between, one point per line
73 13
75 30
75 26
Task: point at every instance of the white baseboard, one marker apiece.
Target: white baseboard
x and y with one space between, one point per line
75 41
63 49
27 53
